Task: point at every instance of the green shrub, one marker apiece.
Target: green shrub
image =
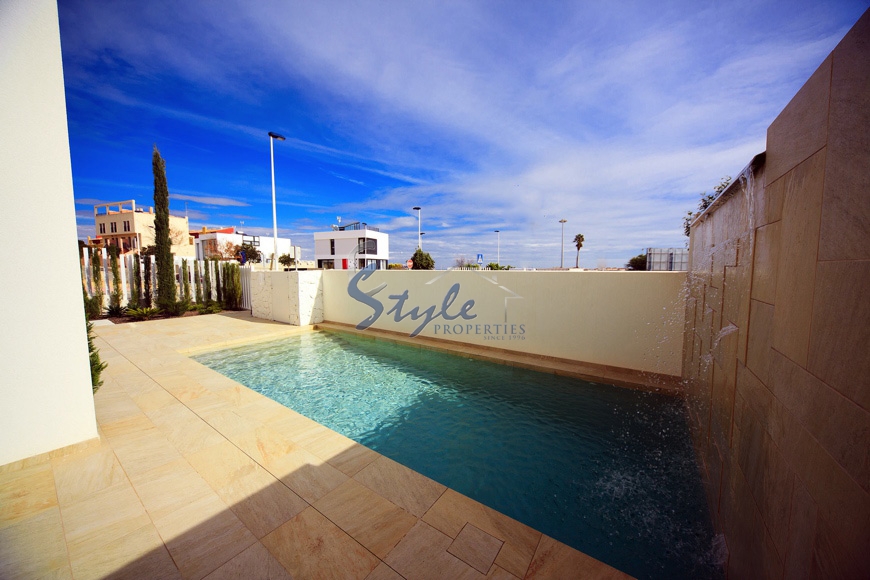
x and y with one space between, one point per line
176 308
144 313
212 308
116 310
97 366
231 277
185 281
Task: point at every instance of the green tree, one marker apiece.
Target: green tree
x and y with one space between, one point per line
148 294
494 266
97 280
578 242
185 280
207 282
218 286
136 288
115 296
637 263
197 282
286 260
252 254
706 201
422 260
163 255
232 285
97 366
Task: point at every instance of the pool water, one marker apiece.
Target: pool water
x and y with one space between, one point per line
607 470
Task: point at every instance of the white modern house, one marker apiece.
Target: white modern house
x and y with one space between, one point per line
352 247
220 244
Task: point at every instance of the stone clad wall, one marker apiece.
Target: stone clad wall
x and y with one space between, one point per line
777 349
291 297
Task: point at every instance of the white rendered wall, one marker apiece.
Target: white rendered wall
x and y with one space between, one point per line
45 385
628 320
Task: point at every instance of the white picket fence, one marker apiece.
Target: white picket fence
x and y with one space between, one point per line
126 273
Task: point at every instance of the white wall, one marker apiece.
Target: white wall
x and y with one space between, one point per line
629 320
294 297
45 385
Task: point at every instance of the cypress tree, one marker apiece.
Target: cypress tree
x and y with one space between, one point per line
136 289
163 251
115 296
197 283
185 280
217 282
97 279
149 293
207 298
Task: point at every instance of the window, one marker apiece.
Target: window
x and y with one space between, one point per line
113 227
102 228
126 225
331 247
367 246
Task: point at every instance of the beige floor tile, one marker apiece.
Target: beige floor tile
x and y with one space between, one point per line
554 559
310 546
341 452
241 396
139 554
78 476
187 432
384 572
476 548
306 474
264 444
254 562
422 555
26 492
112 406
170 487
33 547
453 510
413 492
153 399
260 500
497 573
143 451
133 425
203 535
220 415
101 518
368 518
264 410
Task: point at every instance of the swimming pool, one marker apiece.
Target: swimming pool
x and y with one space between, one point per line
607 470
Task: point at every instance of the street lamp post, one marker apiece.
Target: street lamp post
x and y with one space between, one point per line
562 247
498 247
421 240
272 137
417 208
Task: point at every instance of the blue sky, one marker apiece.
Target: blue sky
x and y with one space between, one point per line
492 115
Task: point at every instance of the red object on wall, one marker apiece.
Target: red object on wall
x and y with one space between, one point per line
344 263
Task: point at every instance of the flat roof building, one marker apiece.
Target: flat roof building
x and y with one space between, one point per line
131 228
352 247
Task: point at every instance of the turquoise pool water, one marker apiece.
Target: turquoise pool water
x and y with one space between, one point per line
607 470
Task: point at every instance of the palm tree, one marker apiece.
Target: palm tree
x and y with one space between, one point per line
578 241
